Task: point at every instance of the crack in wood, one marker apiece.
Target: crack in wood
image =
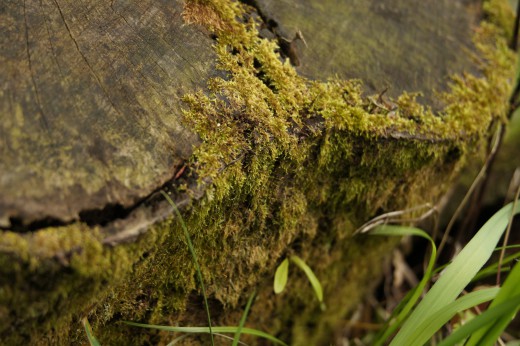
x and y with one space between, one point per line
31 70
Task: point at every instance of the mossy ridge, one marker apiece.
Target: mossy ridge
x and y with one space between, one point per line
269 117
265 104
265 122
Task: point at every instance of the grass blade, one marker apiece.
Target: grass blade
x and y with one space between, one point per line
458 274
493 268
508 292
206 330
91 338
441 317
243 319
311 276
486 318
509 247
390 230
194 257
280 276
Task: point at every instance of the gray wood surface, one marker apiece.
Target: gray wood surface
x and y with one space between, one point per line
90 111
399 45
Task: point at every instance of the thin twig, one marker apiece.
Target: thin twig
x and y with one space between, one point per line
476 204
513 185
506 236
514 103
393 217
480 176
514 39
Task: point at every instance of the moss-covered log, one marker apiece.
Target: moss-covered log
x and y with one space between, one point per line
245 116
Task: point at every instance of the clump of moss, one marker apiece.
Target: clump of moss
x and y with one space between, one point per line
499 16
269 122
262 110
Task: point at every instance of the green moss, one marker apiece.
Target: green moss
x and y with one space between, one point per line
264 106
276 122
296 166
499 14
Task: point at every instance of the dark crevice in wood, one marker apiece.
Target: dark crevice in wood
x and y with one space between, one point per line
287 46
33 79
269 22
103 216
106 216
18 226
261 75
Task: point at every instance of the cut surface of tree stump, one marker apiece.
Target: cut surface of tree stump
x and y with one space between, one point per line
245 114
389 45
91 104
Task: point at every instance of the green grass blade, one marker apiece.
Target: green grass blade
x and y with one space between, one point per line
458 274
310 275
429 327
484 273
509 247
206 330
493 268
280 276
91 338
194 257
508 291
481 321
236 339
390 230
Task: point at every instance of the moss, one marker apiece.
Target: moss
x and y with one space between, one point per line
499 14
296 166
276 122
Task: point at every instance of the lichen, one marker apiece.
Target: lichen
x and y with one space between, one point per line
295 165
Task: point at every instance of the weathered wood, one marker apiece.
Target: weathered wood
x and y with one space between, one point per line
90 103
91 93
396 45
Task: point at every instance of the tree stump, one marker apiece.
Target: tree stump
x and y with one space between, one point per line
246 114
